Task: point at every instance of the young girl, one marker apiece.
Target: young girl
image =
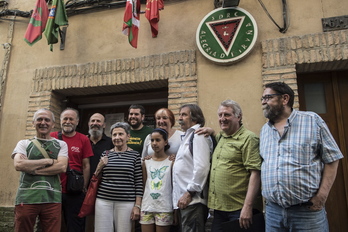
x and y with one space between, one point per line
157 209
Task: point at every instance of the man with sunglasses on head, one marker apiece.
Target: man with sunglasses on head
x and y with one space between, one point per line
300 160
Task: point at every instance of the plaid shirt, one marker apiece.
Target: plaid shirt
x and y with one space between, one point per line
293 163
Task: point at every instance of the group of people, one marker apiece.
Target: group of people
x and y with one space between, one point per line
164 177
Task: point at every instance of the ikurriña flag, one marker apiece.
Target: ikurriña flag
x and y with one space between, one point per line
131 21
37 23
152 14
56 19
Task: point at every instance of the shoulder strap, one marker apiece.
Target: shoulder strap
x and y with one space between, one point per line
191 143
60 135
38 146
212 138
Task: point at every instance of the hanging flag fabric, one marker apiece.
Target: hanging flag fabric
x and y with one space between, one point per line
131 21
56 18
152 14
37 23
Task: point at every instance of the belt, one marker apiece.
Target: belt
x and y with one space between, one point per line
308 203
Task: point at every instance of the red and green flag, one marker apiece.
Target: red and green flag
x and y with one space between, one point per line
131 21
56 19
152 14
37 23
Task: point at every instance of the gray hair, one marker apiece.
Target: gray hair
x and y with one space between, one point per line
69 108
195 113
125 126
237 111
43 109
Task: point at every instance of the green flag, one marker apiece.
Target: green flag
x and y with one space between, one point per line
56 18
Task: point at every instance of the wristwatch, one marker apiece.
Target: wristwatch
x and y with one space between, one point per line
192 193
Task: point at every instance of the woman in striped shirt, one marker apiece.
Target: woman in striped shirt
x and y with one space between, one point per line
121 188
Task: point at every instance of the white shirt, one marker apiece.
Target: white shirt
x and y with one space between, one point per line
158 188
190 172
174 142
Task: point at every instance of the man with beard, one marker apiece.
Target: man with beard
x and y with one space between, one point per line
235 183
79 151
138 133
99 141
190 171
300 163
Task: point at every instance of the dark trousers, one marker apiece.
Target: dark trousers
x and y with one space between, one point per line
71 205
221 217
193 218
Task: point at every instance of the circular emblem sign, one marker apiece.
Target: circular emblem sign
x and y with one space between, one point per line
226 35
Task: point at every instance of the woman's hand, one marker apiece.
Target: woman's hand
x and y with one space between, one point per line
148 157
102 163
135 215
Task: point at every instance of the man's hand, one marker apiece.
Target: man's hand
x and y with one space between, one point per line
172 157
206 131
246 217
184 200
318 203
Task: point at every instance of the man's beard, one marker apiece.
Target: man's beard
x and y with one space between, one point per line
136 125
95 133
68 129
273 113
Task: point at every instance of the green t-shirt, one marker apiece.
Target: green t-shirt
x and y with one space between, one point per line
137 138
38 189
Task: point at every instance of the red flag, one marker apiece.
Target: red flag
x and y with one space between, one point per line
152 14
131 21
37 23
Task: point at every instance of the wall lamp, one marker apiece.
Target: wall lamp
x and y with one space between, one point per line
230 3
226 3
3 2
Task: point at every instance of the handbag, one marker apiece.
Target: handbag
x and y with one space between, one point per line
88 204
74 181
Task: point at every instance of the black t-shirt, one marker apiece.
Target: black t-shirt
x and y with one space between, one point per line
104 144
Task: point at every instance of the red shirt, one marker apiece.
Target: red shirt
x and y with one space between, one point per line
79 147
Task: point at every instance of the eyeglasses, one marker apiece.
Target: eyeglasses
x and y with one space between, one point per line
269 96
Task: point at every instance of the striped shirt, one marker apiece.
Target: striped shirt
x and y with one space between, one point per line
122 177
293 163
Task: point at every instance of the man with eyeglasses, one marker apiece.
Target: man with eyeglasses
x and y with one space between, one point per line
300 163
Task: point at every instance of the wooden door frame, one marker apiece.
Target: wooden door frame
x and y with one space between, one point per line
334 75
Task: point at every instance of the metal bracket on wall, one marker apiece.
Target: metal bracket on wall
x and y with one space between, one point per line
62 37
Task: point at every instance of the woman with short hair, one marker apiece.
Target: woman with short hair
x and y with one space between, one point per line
121 189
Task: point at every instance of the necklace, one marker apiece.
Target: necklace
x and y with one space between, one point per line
119 153
43 144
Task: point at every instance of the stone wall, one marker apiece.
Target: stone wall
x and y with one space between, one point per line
6 219
282 58
178 68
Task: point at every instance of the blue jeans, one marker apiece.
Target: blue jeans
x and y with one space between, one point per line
295 219
194 217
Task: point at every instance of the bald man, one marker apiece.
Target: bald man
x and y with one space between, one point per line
99 141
